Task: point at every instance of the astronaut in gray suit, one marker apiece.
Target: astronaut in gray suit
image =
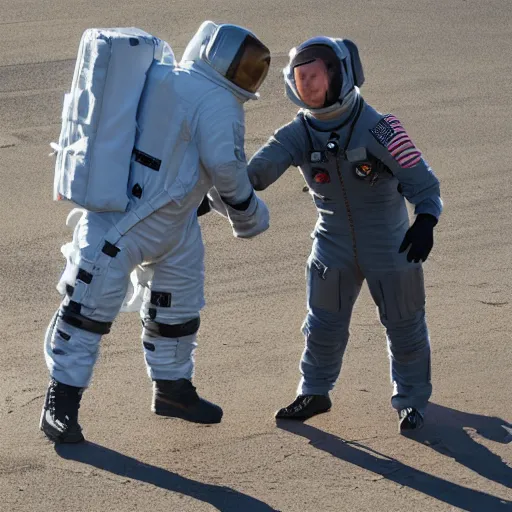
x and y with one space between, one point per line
360 167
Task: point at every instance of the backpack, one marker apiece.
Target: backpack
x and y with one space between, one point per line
99 116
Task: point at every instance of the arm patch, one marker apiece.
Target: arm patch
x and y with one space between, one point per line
390 133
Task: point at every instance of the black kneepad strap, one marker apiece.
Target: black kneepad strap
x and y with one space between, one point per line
171 331
72 316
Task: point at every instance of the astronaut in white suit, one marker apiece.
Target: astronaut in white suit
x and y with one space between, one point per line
159 234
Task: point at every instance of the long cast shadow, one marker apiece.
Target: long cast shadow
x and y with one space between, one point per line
451 433
395 471
222 498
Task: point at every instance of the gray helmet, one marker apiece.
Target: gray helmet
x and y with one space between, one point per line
343 64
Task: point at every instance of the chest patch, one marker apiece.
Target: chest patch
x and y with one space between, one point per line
317 157
364 170
321 176
390 133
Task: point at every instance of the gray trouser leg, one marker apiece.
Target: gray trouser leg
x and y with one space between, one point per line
332 294
400 298
409 352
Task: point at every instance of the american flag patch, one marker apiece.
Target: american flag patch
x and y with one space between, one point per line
391 134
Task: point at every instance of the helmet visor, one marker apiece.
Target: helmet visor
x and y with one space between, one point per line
250 66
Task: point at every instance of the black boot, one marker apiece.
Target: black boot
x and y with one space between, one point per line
409 419
179 399
59 419
304 407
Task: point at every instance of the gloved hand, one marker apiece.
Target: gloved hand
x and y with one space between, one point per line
251 221
420 238
247 219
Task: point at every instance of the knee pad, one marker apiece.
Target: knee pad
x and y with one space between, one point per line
159 330
410 356
407 346
326 327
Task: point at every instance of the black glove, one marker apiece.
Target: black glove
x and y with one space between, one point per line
420 236
204 207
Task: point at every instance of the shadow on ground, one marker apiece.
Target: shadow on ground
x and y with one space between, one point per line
222 498
447 431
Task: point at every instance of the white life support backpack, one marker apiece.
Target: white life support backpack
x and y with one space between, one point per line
99 116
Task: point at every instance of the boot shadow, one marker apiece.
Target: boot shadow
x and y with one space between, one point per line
454 433
222 498
391 469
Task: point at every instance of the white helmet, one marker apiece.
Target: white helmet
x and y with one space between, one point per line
233 52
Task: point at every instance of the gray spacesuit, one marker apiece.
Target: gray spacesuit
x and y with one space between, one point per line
360 166
221 69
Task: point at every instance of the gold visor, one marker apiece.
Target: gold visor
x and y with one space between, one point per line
250 65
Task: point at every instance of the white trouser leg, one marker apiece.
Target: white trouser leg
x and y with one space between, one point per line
170 358
70 352
99 281
97 284
174 296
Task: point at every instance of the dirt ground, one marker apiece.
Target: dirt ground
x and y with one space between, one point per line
444 69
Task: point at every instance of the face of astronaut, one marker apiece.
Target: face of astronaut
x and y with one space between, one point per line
312 80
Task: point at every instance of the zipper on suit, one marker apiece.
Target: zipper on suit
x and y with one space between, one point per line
350 218
341 154
347 208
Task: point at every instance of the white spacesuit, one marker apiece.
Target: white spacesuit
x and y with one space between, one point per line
190 139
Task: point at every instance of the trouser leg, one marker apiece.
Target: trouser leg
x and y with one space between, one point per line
70 352
331 295
170 311
97 280
400 298
170 316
